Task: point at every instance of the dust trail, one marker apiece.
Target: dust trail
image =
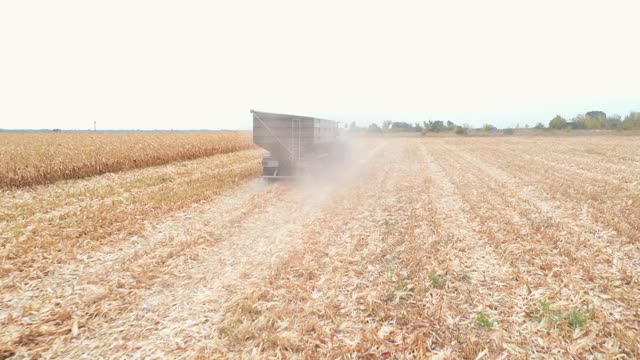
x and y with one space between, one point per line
334 176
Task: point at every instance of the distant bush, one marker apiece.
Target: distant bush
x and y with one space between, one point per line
374 128
459 130
488 127
539 126
508 131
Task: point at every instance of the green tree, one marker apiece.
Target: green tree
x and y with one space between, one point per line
459 130
539 126
451 125
558 122
437 126
579 122
613 122
401 126
592 123
596 114
595 120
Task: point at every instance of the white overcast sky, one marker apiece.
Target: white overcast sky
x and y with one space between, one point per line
204 64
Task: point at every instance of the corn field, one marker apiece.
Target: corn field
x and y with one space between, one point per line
35 158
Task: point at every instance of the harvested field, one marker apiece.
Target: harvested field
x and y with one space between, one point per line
32 158
438 247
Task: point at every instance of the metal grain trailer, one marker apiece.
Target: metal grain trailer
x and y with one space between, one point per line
297 145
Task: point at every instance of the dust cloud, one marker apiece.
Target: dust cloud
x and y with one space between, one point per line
324 179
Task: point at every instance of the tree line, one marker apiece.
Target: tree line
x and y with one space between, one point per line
426 126
595 120
592 120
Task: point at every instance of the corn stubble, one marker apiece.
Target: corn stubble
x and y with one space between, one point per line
432 248
452 256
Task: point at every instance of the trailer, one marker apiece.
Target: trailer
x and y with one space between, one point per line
297 145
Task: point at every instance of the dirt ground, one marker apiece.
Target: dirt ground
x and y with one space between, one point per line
440 247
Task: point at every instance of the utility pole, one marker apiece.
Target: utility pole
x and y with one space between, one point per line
94 125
